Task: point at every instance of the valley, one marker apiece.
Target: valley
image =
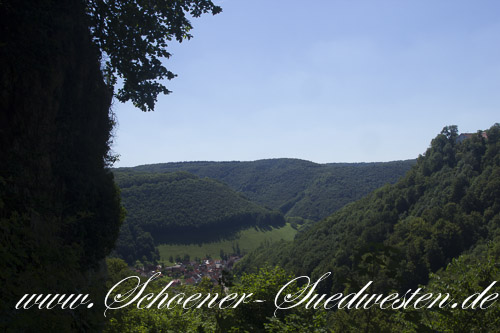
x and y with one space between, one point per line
206 208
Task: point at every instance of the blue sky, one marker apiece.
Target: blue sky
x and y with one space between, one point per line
325 81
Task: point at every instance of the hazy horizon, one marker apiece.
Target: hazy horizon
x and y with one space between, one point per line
330 81
262 159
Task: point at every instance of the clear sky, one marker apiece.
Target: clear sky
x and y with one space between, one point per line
325 81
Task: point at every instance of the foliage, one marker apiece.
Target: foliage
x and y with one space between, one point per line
245 241
261 316
297 188
446 207
132 319
446 204
246 317
134 244
183 201
133 37
180 208
468 274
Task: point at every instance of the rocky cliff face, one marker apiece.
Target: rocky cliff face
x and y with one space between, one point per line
59 208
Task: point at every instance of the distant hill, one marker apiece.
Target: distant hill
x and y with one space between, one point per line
181 202
296 187
181 208
447 205
175 203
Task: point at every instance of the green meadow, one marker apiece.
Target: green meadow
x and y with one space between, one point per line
246 240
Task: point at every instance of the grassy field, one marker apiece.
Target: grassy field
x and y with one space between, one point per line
247 240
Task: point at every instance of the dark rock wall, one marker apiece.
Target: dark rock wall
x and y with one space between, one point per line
59 208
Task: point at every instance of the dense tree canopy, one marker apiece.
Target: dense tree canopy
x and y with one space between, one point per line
179 207
438 226
296 187
133 37
447 203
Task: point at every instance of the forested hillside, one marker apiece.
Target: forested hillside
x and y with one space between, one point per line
438 228
165 205
446 204
181 208
297 188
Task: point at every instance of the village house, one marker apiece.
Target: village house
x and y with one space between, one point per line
465 136
193 272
